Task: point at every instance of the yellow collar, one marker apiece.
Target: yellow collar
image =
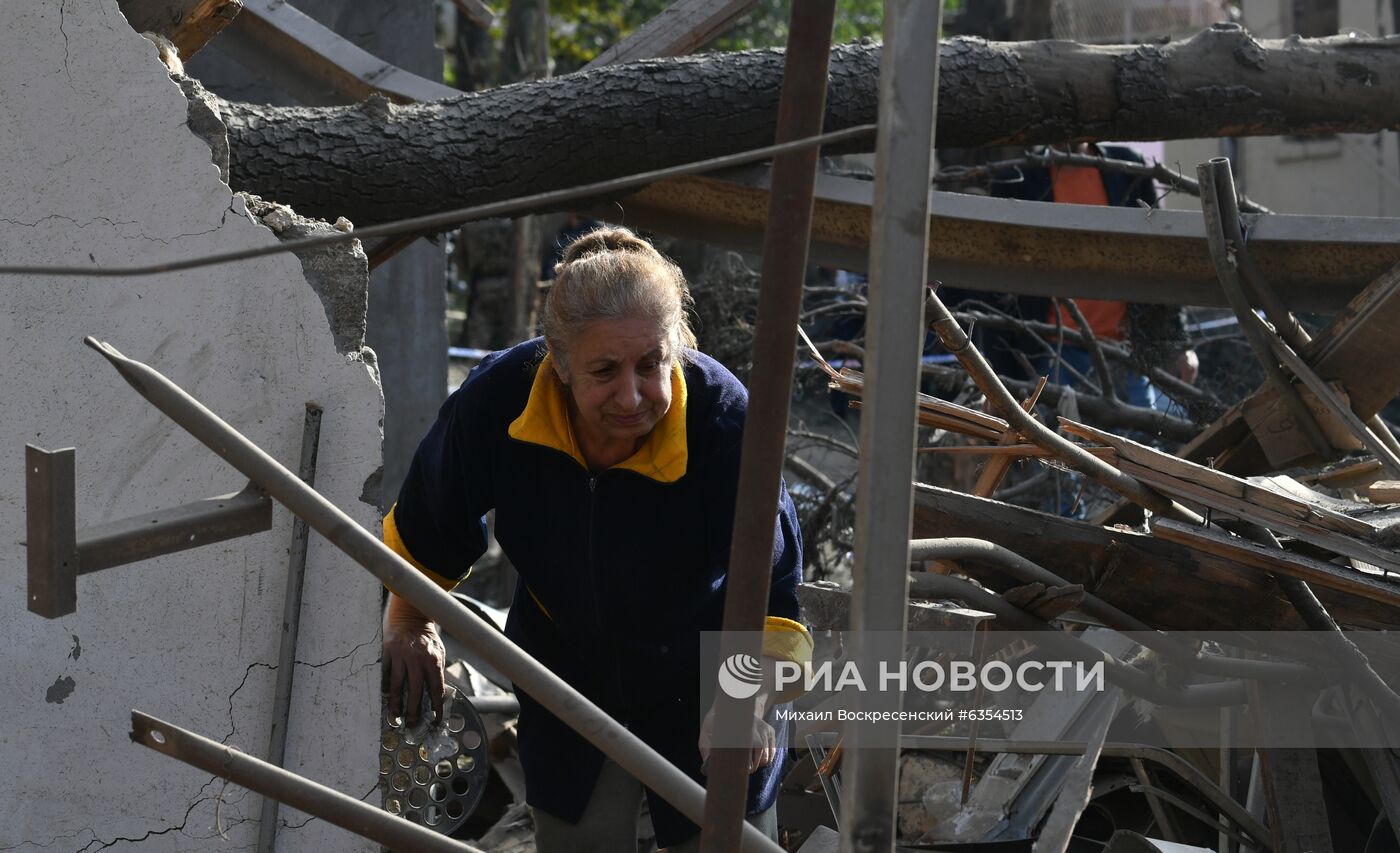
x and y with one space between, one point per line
545 421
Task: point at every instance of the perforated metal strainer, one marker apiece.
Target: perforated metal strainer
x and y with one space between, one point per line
434 774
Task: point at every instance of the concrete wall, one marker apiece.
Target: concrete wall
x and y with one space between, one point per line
101 168
1343 174
408 298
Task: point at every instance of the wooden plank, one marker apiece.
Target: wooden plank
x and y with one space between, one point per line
1165 584
314 64
189 24
681 28
1316 263
1354 475
853 381
1218 481
951 423
1330 540
1008 452
996 468
1272 560
477 12
1357 349
1384 492
1272 425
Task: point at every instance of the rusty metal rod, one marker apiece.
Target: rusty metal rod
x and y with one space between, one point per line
278 785
529 675
899 232
801 110
291 628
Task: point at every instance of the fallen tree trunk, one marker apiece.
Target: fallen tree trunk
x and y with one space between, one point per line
375 162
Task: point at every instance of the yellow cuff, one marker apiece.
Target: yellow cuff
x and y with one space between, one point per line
785 639
395 543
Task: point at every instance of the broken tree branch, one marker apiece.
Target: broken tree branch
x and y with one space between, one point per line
1174 386
1091 344
1094 407
378 162
996 468
960 345
1120 415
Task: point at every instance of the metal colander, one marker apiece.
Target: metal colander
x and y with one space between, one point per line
434 775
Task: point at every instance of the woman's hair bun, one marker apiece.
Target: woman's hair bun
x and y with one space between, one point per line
606 240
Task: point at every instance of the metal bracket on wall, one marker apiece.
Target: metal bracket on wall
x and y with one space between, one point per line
59 552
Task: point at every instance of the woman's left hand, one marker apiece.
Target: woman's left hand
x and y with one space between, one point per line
763 742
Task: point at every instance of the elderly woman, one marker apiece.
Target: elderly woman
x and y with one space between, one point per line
610 453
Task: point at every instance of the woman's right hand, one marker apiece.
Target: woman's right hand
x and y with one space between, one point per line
413 656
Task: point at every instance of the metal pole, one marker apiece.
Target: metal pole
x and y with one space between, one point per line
291 626
275 784
894 344
570 706
801 110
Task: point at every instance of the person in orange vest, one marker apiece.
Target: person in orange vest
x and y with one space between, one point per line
1108 319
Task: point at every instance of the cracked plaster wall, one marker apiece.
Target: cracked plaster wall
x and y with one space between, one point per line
408 299
100 167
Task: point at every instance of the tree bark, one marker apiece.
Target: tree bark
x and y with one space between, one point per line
376 162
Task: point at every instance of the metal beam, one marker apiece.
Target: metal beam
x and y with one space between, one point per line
51 518
1315 263
894 341
58 552
801 108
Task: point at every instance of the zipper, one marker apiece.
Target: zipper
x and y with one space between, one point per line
595 573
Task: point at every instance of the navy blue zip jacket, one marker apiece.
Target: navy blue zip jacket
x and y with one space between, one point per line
620 570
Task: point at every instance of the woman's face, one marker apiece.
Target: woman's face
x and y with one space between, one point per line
619 378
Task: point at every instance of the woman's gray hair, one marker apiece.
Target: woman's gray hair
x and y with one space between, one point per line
612 274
